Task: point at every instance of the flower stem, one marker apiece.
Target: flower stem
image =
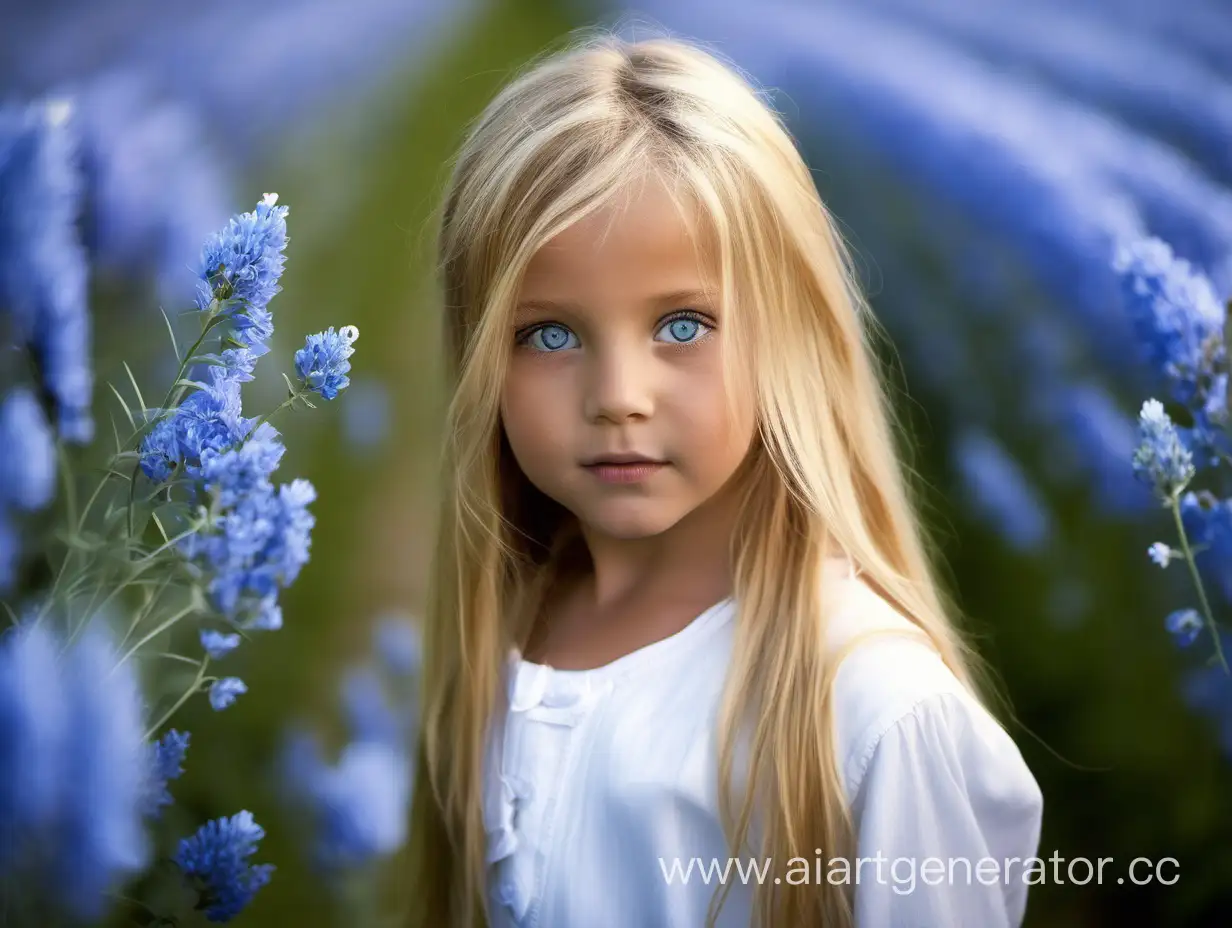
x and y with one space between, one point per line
70 505
162 627
298 394
1197 579
66 475
170 543
196 685
92 609
177 390
143 613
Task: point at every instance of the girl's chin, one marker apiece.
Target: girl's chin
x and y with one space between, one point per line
628 522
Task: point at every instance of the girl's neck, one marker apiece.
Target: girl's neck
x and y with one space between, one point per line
695 553
626 593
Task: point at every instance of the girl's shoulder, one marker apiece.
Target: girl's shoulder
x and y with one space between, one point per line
891 679
928 771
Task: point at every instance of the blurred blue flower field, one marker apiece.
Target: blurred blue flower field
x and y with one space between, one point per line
215 498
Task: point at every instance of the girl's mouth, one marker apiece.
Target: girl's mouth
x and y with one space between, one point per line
625 472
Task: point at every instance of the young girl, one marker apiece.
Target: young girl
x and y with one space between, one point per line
686 661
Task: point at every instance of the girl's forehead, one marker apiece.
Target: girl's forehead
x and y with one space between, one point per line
648 230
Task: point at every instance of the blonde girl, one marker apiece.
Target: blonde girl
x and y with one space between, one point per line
686 659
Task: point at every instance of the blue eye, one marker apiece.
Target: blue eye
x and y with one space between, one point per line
684 330
549 337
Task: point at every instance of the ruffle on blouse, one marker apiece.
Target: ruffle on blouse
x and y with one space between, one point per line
553 697
539 695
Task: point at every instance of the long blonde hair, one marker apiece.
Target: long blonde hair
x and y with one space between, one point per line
558 142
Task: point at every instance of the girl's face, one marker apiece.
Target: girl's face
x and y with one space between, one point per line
616 358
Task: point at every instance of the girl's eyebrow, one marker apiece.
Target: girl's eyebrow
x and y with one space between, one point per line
548 305
691 294
688 295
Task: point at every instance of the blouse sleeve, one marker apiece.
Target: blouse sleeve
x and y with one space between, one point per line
947 818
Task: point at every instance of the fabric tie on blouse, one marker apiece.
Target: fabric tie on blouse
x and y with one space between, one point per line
545 706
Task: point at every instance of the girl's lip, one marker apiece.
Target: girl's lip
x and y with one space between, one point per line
628 472
622 459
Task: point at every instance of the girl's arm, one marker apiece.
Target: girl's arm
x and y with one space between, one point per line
948 821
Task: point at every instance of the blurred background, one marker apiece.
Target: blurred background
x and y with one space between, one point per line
982 157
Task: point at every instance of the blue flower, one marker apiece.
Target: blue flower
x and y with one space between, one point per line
217 858
208 423
1184 625
1000 492
292 537
1207 520
322 363
1176 314
1160 553
210 420
253 329
1161 460
266 614
10 548
102 837
27 470
35 726
369 714
1101 438
42 262
73 767
239 472
235 364
261 537
358 806
398 644
366 413
1208 523
27 453
301 762
361 805
260 545
224 690
244 262
156 188
1208 437
166 763
161 455
1208 690
217 645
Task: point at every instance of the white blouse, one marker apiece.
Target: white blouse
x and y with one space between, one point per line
601 804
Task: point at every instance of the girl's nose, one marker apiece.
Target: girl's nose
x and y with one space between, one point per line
618 387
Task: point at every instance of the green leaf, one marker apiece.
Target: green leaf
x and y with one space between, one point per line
136 389
158 522
83 542
119 513
211 359
165 655
216 322
175 346
123 404
115 432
